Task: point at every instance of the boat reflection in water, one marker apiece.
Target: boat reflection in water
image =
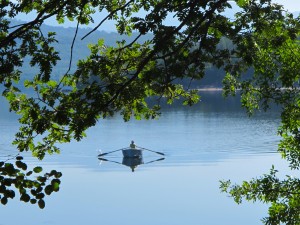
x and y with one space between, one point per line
132 156
132 162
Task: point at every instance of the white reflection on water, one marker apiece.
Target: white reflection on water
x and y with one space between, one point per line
202 146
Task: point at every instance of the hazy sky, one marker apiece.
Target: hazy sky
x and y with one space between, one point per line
290 5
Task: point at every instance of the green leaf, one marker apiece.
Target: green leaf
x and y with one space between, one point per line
19 158
40 196
55 186
10 194
25 197
33 201
41 203
48 189
52 83
58 175
21 165
29 173
3 200
242 3
37 169
41 179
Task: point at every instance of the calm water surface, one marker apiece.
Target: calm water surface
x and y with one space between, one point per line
202 145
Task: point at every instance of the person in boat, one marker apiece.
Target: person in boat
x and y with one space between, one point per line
132 145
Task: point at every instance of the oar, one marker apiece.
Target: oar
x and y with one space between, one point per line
109 152
154 160
106 160
160 153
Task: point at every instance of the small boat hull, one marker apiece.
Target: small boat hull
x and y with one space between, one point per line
132 153
132 162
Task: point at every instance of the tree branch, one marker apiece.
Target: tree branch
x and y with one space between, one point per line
109 15
27 26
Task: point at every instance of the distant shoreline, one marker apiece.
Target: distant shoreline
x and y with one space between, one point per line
212 89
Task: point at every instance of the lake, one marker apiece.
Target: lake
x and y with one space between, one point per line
214 140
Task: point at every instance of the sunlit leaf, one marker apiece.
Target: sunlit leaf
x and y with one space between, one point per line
37 169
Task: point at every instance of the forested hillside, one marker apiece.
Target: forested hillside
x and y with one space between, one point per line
65 37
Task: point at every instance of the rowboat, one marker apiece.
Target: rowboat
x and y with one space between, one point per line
132 153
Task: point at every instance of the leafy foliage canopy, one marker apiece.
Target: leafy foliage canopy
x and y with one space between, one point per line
121 78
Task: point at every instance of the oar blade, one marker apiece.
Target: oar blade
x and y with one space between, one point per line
110 152
160 153
102 159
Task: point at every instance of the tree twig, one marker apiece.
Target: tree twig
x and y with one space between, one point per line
108 16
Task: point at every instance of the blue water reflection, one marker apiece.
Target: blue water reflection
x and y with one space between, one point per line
202 145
